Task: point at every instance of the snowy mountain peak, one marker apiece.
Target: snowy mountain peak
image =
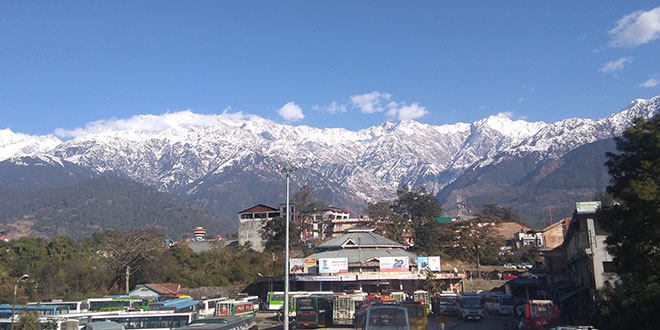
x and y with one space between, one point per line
181 152
17 144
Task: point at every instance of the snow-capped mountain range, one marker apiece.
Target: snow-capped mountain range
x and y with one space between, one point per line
197 158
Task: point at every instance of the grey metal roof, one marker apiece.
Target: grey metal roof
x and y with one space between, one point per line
362 255
360 239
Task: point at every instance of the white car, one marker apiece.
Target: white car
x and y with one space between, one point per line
509 266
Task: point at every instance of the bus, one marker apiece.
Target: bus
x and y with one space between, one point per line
417 316
103 325
107 304
275 301
223 323
540 314
45 310
498 303
234 307
445 303
314 311
344 307
206 307
252 299
147 320
382 317
398 296
422 297
177 305
470 306
74 306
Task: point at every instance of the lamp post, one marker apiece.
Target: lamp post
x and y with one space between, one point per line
13 304
285 312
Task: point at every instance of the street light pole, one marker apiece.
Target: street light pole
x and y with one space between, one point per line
285 313
13 304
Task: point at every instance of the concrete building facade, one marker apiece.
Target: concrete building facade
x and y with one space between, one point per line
250 223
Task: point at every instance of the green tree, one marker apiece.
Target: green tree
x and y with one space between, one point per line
500 213
274 234
633 224
418 207
28 321
386 222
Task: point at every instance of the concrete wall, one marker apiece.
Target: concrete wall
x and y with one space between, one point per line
249 230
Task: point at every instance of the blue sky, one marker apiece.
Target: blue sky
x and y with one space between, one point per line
349 64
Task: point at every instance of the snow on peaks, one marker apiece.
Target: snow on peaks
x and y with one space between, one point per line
154 124
17 144
503 124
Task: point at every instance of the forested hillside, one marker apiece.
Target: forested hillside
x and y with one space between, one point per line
97 204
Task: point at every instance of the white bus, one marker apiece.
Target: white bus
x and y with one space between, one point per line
148 320
498 303
207 306
74 306
470 306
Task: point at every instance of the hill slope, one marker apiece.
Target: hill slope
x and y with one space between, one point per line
97 204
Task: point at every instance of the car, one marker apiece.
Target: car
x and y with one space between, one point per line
509 266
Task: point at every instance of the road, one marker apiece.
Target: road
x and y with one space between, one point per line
490 322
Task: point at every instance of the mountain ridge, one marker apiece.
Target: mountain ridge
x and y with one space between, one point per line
210 162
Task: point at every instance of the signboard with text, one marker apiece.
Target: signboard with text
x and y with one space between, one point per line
333 265
394 264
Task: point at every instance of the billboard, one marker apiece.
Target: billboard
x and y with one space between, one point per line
296 266
310 266
394 264
430 263
333 265
587 207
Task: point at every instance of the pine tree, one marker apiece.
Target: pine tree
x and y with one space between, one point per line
633 224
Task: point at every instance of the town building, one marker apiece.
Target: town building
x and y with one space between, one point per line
589 265
359 260
341 226
250 223
155 290
553 235
318 221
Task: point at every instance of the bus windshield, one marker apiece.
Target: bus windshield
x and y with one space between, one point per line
447 300
471 302
542 310
276 297
305 305
387 318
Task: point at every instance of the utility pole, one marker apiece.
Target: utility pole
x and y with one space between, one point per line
285 312
13 304
128 276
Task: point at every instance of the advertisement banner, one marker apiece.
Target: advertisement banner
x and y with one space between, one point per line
310 266
297 266
394 264
430 263
333 265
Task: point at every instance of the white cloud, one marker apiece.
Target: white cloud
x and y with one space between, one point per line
402 111
616 65
637 28
652 82
291 112
151 123
379 102
333 107
370 103
412 111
